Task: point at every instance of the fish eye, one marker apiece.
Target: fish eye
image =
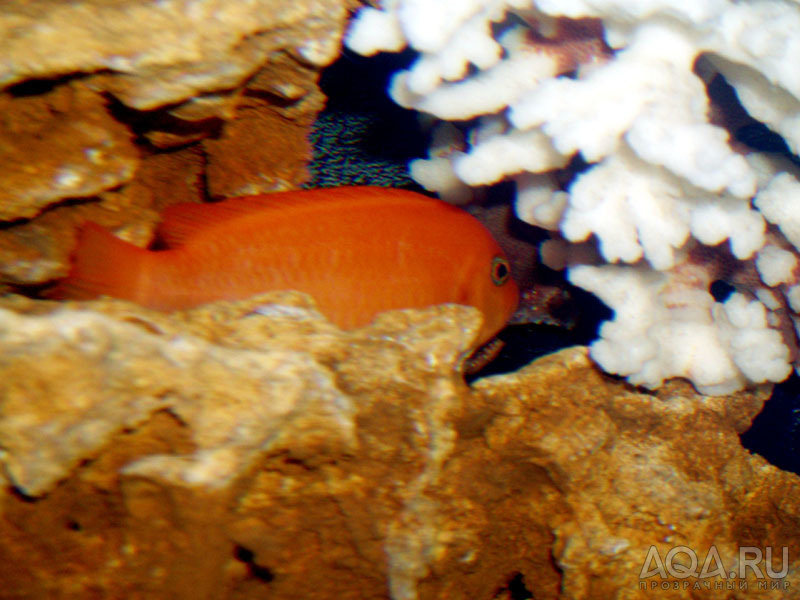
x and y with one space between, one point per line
500 270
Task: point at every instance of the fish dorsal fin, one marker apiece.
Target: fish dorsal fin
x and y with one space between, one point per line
181 222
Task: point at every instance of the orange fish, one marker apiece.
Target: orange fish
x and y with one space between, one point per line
356 250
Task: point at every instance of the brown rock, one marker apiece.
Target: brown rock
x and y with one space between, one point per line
61 144
250 449
633 471
149 54
242 74
38 250
265 148
171 177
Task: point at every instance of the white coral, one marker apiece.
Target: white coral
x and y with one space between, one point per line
664 177
656 335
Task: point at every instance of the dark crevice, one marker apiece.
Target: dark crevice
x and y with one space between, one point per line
527 342
43 85
141 122
775 432
74 525
256 571
515 589
721 290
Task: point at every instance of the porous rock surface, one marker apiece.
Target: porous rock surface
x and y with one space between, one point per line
113 110
251 450
148 54
59 144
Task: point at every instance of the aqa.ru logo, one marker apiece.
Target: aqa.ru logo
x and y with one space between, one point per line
681 562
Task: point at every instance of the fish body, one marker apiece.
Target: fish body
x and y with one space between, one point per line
356 250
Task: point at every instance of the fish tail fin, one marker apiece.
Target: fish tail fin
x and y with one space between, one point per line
102 264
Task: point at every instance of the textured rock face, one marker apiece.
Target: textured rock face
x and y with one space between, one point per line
124 107
149 54
247 449
66 142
